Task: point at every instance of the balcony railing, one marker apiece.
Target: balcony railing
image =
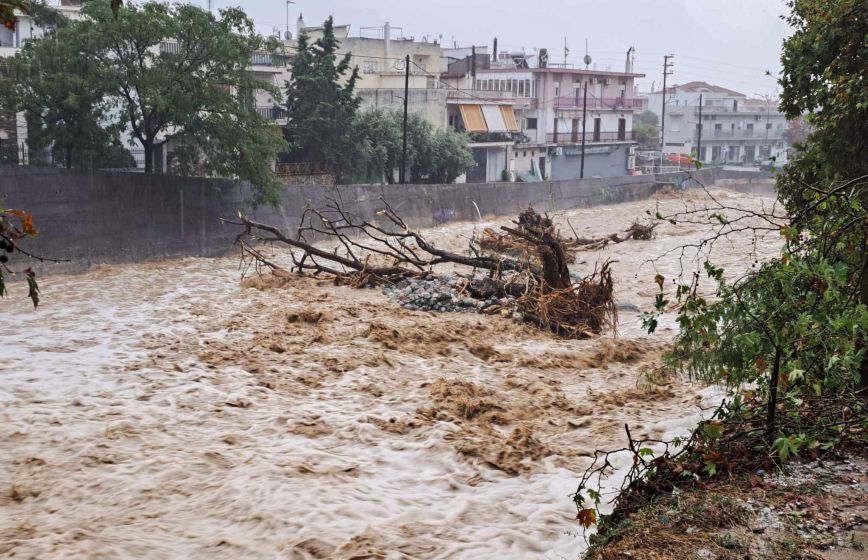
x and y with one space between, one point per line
170 47
577 102
256 59
271 113
752 110
267 59
756 134
568 137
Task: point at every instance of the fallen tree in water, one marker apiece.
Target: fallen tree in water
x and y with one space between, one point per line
387 251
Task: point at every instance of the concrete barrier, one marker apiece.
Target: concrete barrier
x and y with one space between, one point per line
94 217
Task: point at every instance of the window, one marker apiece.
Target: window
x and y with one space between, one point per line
676 126
557 89
369 67
521 88
531 125
768 126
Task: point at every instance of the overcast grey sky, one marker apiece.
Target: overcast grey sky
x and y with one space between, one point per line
726 42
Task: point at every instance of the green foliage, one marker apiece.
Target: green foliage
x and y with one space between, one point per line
16 225
646 135
321 105
194 95
63 105
792 331
8 18
433 155
647 117
824 78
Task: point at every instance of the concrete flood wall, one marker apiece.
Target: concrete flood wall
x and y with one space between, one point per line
92 218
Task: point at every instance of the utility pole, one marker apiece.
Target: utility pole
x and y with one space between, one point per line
402 176
666 66
699 130
584 132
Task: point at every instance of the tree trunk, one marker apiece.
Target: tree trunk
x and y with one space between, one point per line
69 157
149 156
773 395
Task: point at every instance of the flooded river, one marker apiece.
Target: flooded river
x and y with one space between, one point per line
165 410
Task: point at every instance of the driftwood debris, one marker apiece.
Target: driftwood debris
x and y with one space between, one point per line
386 250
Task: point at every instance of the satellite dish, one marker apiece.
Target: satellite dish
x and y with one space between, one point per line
288 35
587 60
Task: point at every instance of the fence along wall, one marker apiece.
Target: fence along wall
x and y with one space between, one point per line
92 218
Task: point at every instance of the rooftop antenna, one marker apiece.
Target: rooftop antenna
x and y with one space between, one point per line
587 59
566 52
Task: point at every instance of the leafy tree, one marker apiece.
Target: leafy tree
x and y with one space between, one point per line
646 135
8 19
794 329
647 117
63 105
379 134
433 155
646 130
321 105
194 95
824 78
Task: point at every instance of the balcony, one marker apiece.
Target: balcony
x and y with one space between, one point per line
615 103
518 101
271 113
170 47
756 134
568 137
268 59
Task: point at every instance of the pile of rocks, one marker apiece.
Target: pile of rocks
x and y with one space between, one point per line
442 294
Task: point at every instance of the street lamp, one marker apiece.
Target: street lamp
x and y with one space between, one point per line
768 99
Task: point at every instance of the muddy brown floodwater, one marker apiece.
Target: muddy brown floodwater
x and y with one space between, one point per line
165 410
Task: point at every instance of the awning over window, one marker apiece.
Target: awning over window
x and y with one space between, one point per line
509 118
473 119
494 118
488 118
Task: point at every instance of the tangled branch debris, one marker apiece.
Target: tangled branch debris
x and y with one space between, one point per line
536 279
514 243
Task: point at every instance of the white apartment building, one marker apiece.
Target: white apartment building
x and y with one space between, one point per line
735 129
380 57
552 115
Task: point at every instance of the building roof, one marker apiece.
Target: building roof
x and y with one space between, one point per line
699 87
559 70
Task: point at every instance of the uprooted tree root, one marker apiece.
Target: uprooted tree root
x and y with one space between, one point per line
384 251
583 308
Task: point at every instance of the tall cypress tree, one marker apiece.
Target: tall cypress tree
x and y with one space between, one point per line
321 105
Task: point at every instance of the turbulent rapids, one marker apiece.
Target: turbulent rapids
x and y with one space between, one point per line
171 410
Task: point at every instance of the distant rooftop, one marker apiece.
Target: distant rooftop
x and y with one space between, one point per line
702 87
